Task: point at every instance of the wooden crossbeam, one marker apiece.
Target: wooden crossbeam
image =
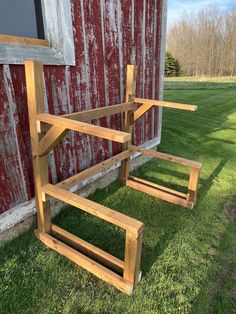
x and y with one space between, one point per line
146 188
90 129
88 249
132 225
161 103
179 160
100 167
159 187
164 193
97 113
85 262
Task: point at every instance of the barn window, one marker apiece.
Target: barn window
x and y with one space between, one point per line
38 30
21 18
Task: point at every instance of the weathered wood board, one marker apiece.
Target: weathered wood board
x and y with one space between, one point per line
108 35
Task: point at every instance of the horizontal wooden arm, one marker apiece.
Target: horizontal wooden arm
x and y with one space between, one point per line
109 134
161 103
100 167
179 160
97 113
128 223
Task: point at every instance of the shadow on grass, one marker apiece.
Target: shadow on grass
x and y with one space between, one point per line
206 185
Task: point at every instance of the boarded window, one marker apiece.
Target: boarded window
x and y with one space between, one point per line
21 18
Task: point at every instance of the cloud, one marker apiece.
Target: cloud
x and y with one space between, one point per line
176 8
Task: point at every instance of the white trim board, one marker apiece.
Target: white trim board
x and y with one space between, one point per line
163 33
26 210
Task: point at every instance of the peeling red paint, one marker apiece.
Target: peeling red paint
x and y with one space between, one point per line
105 41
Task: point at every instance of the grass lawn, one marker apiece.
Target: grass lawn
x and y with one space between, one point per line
223 82
188 259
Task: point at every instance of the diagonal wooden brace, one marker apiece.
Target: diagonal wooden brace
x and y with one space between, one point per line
51 139
149 103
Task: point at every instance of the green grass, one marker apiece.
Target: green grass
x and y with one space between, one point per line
188 258
200 83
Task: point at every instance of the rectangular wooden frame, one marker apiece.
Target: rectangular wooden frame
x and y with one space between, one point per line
47 130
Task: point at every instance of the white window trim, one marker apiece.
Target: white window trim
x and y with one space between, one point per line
58 28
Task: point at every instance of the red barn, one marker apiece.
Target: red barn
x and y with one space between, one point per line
85 46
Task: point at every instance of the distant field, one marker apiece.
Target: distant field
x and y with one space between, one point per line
223 82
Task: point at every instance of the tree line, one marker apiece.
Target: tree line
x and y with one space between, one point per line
205 43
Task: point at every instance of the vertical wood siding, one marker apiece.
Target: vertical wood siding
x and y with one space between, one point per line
108 34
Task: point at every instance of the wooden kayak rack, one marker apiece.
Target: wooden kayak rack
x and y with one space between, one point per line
47 130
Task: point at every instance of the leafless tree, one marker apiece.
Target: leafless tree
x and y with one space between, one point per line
205 43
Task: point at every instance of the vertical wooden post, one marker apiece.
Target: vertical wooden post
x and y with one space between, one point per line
128 118
133 249
193 184
34 85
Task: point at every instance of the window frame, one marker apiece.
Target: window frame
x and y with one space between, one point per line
58 46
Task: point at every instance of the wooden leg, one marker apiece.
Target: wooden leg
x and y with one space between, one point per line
40 165
125 164
34 83
128 118
133 248
193 184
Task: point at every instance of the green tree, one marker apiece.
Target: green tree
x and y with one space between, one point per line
177 68
172 66
169 64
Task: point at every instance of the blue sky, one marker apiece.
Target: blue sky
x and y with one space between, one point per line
176 8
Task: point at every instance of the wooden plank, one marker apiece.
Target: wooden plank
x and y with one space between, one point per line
141 111
34 85
90 129
88 249
68 183
51 139
158 186
133 249
193 184
159 194
179 160
128 118
165 104
85 262
85 116
93 208
26 41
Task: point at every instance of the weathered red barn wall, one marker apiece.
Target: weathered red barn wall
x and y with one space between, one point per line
107 35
